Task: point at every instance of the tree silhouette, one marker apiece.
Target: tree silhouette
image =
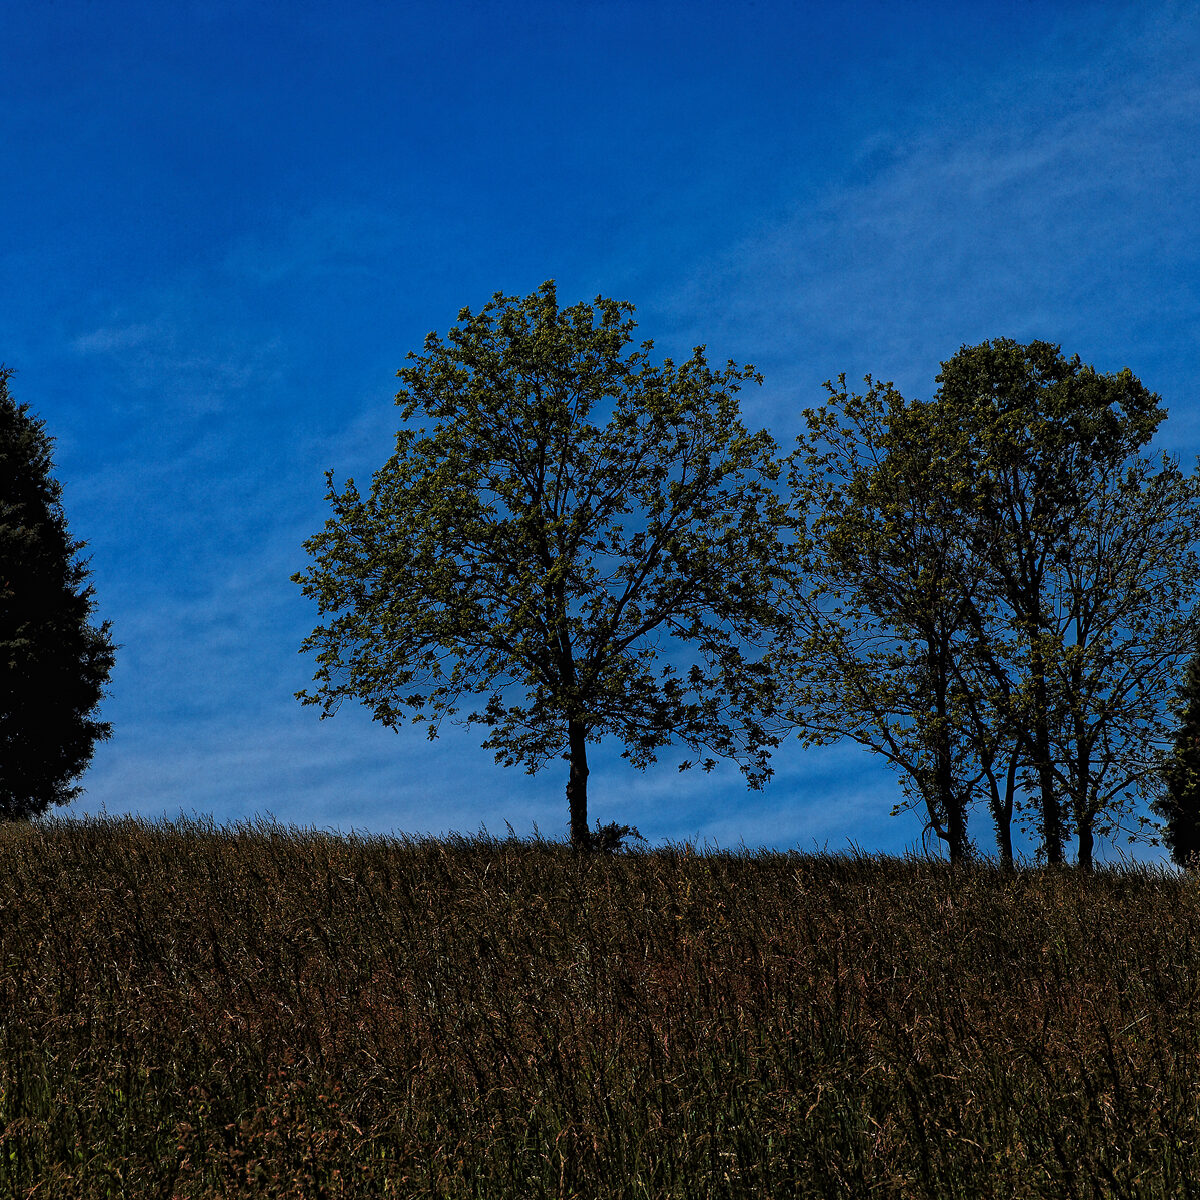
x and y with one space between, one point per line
520 553
1180 806
53 662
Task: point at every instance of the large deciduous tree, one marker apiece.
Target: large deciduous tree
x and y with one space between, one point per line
584 579
1124 620
1000 587
54 663
887 604
1034 435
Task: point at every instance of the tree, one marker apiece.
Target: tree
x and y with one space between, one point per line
520 553
1030 430
999 588
1125 619
889 604
1180 805
54 663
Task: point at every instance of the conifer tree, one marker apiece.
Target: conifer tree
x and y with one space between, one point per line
1180 806
53 662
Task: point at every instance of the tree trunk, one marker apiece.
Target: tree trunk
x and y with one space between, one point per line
577 785
1004 842
957 822
1086 842
1052 834
1084 812
949 797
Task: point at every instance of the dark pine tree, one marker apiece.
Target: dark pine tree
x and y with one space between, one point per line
53 662
1180 806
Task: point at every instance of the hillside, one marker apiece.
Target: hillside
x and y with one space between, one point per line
195 1011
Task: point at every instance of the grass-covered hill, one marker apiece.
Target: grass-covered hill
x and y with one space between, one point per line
191 1011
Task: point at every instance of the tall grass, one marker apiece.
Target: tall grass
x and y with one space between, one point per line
188 1010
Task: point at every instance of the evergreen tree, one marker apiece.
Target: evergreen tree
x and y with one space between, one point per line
1180 806
53 662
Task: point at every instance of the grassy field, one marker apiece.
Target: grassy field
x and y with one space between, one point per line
193 1011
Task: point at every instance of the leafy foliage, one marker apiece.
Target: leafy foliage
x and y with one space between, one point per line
520 553
53 662
1042 443
999 587
610 838
887 603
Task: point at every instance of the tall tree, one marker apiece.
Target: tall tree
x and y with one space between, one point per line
1179 806
1031 430
54 662
888 606
1126 617
998 588
519 552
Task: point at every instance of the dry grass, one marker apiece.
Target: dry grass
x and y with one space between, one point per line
193 1011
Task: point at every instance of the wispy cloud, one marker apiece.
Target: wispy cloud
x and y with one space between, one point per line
174 361
1048 205
112 339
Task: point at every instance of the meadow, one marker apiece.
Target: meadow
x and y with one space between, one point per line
188 1010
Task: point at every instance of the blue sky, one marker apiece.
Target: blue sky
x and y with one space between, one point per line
224 224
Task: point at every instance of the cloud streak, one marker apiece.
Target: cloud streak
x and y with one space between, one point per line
1052 206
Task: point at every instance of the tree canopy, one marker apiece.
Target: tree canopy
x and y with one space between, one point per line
886 602
54 663
992 589
999 587
584 543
